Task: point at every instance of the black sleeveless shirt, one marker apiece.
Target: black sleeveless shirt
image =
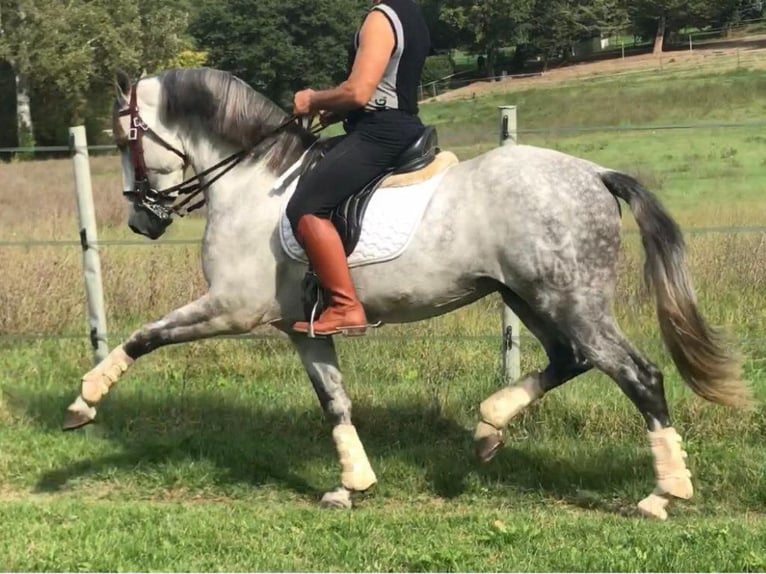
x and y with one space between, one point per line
398 90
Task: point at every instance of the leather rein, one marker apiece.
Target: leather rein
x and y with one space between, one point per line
191 188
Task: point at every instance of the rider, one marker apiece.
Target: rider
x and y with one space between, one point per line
378 104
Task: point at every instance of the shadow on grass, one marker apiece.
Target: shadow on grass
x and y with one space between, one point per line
263 444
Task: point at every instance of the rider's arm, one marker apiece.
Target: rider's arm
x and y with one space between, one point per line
376 44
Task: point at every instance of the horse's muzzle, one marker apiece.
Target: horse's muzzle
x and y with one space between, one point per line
150 220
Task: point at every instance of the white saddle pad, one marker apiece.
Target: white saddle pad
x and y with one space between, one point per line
389 224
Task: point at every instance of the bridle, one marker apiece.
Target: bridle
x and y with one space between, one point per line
160 203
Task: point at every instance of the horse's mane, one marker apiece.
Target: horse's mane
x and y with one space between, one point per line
232 110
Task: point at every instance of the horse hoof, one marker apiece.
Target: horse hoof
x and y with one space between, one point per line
487 448
653 506
78 415
339 499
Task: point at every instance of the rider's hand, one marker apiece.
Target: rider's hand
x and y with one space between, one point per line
302 105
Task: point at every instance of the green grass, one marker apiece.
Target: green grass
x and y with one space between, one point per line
113 535
213 455
636 99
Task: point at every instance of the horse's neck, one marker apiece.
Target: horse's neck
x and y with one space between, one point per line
240 202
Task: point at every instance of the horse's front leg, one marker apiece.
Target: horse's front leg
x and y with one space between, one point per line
321 363
206 317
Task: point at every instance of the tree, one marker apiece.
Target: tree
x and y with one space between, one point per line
557 25
444 36
667 16
735 11
490 24
279 47
607 17
66 52
14 49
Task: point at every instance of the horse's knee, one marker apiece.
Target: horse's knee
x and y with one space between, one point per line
328 385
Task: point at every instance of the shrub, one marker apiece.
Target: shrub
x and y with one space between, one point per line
436 68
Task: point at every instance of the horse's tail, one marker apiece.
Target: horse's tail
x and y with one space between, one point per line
697 349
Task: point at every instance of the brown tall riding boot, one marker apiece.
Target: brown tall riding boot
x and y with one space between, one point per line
324 248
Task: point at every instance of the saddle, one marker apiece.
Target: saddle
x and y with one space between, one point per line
420 161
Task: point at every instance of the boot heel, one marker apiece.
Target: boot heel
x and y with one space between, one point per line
353 331
358 331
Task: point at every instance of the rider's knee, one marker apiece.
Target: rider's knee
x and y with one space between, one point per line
294 212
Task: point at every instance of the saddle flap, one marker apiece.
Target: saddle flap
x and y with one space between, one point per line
348 216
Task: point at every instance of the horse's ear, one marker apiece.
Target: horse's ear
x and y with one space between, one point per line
143 73
122 85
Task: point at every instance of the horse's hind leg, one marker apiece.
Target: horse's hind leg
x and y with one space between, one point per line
607 348
321 363
565 364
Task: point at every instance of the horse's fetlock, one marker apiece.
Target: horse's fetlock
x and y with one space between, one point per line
677 486
97 382
673 477
356 473
499 409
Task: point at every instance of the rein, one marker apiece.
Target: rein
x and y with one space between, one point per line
154 200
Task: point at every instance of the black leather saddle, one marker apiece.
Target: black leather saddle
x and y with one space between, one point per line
348 216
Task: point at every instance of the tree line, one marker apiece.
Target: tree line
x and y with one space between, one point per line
58 57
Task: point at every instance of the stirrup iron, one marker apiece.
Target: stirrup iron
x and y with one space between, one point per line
312 318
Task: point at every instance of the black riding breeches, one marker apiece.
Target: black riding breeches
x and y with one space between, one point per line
371 147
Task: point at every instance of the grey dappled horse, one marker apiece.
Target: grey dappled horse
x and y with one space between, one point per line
539 227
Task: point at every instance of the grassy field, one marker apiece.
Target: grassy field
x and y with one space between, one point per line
213 455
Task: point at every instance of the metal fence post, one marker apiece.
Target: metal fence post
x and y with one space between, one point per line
86 214
511 323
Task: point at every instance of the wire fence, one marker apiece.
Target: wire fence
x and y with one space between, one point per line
373 335
33 243
552 131
754 348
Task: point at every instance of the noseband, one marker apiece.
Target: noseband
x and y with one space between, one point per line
159 205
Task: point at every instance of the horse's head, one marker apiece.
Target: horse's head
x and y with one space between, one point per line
167 123
153 156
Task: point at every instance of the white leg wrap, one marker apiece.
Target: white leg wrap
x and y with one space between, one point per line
653 506
96 383
673 478
356 472
499 409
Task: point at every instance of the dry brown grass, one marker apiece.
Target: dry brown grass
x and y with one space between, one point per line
41 287
37 200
